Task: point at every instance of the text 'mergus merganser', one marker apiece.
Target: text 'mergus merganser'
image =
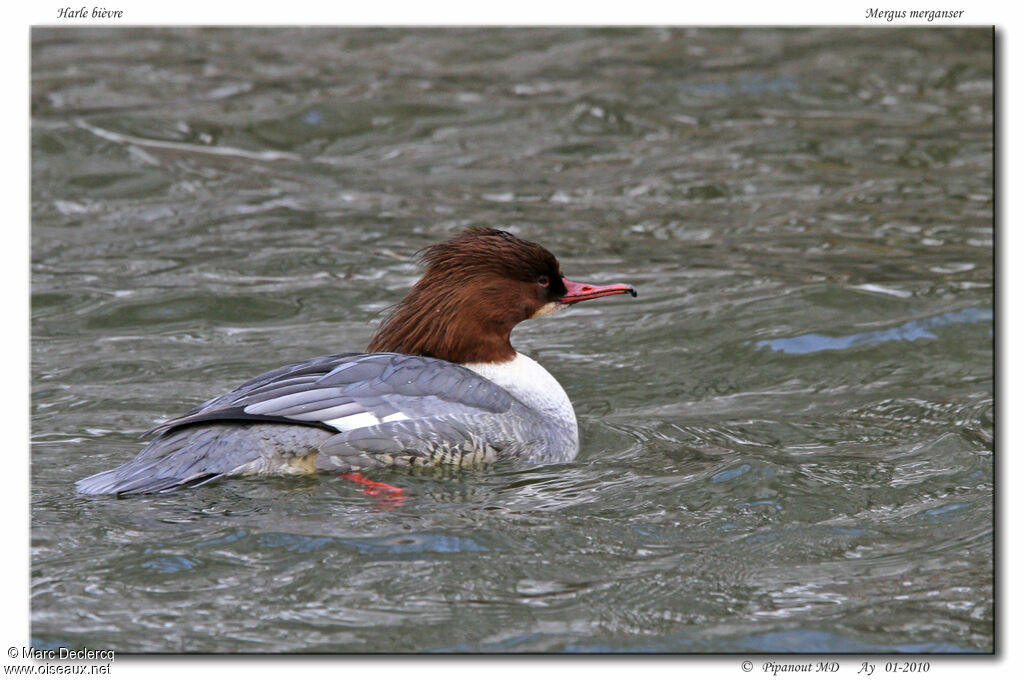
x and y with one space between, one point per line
440 384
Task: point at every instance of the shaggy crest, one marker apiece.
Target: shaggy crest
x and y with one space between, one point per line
477 286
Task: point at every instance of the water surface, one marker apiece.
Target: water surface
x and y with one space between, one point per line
787 439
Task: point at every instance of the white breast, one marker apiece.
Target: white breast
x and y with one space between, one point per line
531 384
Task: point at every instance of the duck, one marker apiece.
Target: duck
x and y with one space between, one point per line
440 384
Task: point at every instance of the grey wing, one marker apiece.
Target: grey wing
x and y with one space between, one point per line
385 408
224 407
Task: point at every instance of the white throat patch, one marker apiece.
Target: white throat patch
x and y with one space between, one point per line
531 384
549 308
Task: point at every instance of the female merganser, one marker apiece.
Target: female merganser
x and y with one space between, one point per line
440 384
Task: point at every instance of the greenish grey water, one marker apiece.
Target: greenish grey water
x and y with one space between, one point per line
787 439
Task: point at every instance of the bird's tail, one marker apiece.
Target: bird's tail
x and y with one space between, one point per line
181 459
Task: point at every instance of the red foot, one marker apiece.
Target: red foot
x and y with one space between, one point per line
395 496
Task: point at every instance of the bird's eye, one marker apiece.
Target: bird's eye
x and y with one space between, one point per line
544 281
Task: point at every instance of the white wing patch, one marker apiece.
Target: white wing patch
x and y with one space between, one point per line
354 421
364 419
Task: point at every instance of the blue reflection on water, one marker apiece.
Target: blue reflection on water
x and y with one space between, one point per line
169 564
295 542
732 473
912 330
401 543
415 543
945 511
773 504
799 641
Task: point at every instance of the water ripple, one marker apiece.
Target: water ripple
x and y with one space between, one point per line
786 439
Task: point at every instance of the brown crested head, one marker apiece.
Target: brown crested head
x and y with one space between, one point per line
477 286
